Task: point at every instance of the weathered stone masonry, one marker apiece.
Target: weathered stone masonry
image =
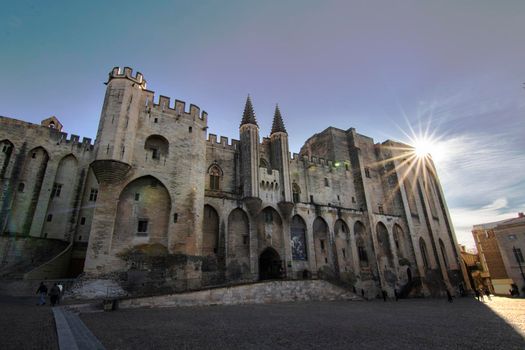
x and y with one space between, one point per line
160 201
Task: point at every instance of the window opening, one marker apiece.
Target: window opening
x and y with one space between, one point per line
57 188
142 227
93 194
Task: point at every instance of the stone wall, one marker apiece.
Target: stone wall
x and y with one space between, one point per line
257 293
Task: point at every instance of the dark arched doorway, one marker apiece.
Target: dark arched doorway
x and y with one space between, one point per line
269 264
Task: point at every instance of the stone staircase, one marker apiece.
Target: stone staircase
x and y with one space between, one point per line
254 293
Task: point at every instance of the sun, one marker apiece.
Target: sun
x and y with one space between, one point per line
422 147
428 147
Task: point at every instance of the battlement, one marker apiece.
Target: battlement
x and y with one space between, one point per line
177 109
73 140
127 73
223 142
319 162
56 136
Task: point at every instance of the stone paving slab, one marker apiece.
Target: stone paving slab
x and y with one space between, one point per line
23 325
407 324
72 333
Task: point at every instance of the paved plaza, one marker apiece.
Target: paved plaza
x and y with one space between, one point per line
23 325
407 324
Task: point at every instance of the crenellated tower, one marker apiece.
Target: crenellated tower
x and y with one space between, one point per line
279 156
249 140
118 125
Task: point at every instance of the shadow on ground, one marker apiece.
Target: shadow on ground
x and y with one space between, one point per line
407 324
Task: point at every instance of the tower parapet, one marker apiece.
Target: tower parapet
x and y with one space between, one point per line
127 73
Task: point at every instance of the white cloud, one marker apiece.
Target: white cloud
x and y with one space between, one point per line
479 168
482 177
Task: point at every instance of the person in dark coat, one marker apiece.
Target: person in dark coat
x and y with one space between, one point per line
477 294
449 296
384 294
42 292
54 294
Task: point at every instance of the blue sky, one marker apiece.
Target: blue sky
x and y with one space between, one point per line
383 67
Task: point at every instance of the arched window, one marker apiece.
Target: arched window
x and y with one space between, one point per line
215 173
157 146
424 255
296 193
263 163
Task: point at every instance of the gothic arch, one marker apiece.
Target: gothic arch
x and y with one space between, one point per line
215 174
444 254
363 243
238 246
424 253
61 209
24 203
210 231
321 242
383 240
143 212
263 163
401 242
299 243
158 146
342 245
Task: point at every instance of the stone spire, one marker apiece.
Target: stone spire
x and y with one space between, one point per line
248 117
278 125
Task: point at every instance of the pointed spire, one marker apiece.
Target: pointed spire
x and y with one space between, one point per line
248 117
278 125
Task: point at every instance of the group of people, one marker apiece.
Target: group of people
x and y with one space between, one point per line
480 292
54 294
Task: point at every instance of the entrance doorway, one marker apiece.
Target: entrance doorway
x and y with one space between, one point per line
269 265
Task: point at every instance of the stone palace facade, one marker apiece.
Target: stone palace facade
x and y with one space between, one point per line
156 200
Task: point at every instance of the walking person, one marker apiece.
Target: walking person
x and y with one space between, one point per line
54 294
487 293
449 297
477 294
480 292
61 288
42 292
396 296
384 294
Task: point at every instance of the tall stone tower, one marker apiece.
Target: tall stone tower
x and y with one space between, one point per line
279 156
249 139
118 125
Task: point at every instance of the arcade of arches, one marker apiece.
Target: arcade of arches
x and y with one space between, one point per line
347 253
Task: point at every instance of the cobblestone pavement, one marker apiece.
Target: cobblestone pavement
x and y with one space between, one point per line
511 310
23 325
407 324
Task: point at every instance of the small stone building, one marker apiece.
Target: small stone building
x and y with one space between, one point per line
158 201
